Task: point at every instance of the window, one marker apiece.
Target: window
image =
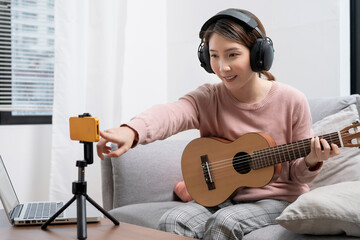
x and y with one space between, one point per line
26 61
354 46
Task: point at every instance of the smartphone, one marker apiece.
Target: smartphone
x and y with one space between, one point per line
85 129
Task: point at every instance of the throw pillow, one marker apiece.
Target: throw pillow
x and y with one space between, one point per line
327 210
181 191
345 166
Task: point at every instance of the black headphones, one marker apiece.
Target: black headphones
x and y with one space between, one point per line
261 53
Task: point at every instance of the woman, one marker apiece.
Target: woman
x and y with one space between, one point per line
234 46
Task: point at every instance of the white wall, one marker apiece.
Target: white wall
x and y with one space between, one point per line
311 40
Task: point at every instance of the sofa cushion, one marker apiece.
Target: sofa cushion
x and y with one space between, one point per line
147 173
323 107
329 210
143 214
345 166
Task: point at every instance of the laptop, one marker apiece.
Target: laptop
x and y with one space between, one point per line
36 213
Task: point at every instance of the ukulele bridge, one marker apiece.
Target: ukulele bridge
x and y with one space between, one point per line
207 172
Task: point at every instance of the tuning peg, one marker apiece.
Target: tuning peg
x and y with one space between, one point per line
355 129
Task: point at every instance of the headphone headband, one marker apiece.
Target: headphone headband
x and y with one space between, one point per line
234 14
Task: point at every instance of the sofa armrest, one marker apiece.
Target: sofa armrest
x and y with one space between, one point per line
147 173
107 184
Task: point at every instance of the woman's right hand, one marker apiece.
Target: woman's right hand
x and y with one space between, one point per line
122 136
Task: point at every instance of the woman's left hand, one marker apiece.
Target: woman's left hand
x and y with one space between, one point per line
317 154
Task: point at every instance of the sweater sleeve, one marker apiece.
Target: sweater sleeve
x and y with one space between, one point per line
163 120
299 172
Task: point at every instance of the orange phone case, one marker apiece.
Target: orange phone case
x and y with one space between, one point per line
84 129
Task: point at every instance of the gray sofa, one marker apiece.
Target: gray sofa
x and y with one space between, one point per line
138 187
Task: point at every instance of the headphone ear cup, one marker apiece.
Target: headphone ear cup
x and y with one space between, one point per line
261 55
268 54
204 58
255 56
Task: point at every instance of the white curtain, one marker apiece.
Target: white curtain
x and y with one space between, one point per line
89 50
110 61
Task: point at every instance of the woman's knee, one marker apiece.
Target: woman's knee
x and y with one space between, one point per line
223 225
186 220
168 220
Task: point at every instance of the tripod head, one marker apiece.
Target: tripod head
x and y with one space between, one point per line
88 152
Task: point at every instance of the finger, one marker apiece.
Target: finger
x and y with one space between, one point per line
317 146
110 137
117 153
312 144
102 142
335 149
325 154
105 153
101 156
101 148
99 151
104 134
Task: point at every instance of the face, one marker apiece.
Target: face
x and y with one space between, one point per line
231 62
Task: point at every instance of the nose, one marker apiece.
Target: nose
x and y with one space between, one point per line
224 66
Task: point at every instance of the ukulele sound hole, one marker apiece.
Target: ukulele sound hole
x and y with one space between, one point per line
241 162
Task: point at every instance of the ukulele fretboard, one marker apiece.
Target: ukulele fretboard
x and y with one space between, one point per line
287 152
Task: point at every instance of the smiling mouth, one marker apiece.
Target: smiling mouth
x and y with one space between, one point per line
230 78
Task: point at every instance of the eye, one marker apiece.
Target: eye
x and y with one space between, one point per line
233 54
213 56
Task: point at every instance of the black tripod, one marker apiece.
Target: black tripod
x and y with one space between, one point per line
79 191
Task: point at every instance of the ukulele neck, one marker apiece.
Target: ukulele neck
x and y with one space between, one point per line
287 152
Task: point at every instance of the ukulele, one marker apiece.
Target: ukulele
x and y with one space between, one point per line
213 168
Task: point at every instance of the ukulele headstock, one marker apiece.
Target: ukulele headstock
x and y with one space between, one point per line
350 135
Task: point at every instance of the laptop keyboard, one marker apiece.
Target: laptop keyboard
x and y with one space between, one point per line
42 210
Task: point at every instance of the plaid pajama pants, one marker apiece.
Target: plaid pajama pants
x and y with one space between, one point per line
226 221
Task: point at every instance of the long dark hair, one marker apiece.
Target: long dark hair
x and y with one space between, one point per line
237 33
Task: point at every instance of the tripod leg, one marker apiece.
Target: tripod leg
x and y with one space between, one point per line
58 213
81 216
116 222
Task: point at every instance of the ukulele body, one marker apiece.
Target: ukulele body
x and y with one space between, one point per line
214 168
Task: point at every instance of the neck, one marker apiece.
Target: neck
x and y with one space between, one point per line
253 92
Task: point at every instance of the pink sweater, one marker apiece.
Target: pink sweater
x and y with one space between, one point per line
284 115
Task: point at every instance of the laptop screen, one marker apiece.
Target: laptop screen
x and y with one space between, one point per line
7 193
